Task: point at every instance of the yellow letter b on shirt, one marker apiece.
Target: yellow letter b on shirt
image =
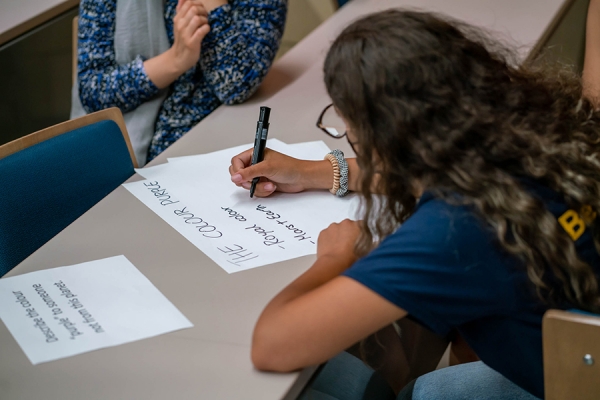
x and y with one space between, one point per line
572 224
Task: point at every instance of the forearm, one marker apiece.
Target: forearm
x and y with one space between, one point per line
591 68
278 341
163 69
321 313
124 86
322 271
102 81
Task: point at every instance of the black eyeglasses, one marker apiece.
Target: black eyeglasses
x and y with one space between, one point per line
332 124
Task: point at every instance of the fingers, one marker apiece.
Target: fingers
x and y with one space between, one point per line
188 13
242 173
182 8
195 24
241 161
191 14
179 18
179 5
200 9
263 188
247 174
201 32
330 228
242 176
347 226
191 3
197 8
244 159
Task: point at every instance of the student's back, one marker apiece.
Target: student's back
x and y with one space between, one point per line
480 185
446 268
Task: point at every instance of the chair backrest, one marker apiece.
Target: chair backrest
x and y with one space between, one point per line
571 355
74 42
51 177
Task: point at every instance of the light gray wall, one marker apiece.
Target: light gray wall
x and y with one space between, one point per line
35 79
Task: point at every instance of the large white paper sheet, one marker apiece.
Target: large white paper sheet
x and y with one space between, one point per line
195 196
65 311
306 151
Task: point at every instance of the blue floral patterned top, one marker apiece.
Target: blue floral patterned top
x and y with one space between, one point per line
235 57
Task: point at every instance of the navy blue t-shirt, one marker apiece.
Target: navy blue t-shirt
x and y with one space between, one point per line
445 267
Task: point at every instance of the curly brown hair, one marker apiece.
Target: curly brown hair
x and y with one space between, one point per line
431 103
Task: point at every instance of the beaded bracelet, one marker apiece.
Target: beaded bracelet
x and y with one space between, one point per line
340 172
336 173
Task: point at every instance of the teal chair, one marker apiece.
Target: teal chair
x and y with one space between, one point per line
51 177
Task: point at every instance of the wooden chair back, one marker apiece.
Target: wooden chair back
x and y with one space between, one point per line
74 40
571 342
113 114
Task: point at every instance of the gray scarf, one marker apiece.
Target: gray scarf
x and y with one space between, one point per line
139 30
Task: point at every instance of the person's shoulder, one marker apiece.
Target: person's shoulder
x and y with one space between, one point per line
449 231
443 219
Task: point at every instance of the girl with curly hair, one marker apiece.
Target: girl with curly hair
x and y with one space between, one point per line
480 185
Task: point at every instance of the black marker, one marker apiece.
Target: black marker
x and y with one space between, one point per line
260 142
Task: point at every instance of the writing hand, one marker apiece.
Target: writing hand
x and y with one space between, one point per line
337 243
277 172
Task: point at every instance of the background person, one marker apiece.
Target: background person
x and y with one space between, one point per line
168 64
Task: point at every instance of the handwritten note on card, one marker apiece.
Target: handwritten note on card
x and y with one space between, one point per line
196 197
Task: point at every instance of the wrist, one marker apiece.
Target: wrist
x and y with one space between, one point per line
174 64
317 175
334 264
161 70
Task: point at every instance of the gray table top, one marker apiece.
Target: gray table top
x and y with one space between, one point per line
212 360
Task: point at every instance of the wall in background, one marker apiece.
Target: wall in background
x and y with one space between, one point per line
35 84
303 17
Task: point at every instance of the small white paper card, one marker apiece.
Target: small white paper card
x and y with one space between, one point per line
64 311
